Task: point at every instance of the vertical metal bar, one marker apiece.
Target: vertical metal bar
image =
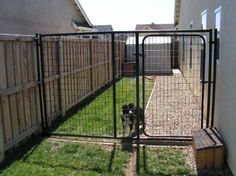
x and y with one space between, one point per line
114 82
39 81
59 73
137 82
209 79
214 78
43 86
203 82
138 158
143 80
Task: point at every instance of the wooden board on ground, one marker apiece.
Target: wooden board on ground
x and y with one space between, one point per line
208 149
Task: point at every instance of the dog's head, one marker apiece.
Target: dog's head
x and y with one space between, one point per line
126 109
131 105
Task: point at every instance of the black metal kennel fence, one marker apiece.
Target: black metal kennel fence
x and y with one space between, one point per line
86 78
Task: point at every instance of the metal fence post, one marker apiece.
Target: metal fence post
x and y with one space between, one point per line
39 79
59 89
44 101
209 79
214 77
114 82
137 82
203 60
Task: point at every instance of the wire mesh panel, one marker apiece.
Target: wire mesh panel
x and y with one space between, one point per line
78 76
126 86
89 78
175 63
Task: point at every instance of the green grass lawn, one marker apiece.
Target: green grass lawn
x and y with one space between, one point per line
163 162
69 159
53 158
96 118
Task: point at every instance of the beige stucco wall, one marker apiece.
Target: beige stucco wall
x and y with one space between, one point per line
192 75
191 12
37 16
225 107
227 104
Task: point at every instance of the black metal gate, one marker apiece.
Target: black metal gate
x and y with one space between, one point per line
88 78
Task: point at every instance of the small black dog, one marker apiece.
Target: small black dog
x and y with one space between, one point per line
129 116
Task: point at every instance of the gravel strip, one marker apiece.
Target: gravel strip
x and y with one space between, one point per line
172 109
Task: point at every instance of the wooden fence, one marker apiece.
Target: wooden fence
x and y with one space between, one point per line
74 69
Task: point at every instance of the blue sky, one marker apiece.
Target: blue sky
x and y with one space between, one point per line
125 14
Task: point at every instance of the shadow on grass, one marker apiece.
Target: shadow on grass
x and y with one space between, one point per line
21 152
127 144
73 168
112 158
66 158
78 107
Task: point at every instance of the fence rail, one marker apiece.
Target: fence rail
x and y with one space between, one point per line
75 68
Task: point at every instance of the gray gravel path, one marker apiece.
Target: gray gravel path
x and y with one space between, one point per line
172 109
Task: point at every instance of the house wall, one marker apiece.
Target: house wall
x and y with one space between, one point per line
225 111
37 16
191 12
191 74
227 68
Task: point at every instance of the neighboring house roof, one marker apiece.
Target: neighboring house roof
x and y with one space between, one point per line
83 13
177 11
79 25
153 26
104 28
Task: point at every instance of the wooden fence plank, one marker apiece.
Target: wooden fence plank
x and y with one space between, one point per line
62 80
36 88
2 81
31 76
24 82
18 79
11 82
2 151
25 79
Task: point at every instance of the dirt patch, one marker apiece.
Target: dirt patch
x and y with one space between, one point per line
131 166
